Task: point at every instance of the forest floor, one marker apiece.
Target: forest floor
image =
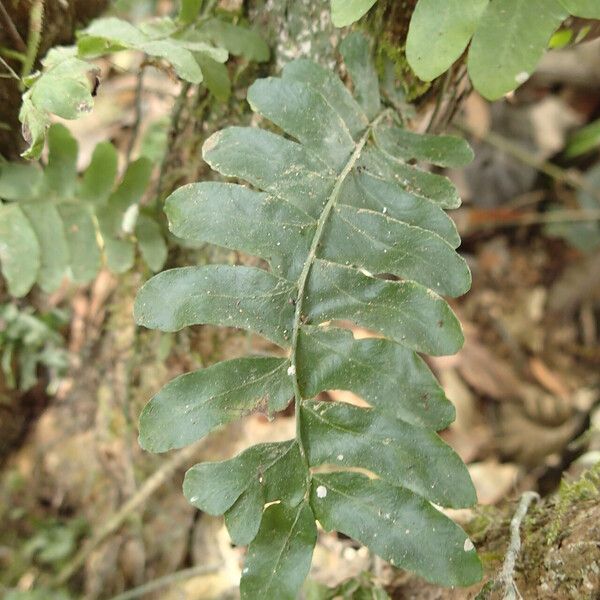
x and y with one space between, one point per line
81 505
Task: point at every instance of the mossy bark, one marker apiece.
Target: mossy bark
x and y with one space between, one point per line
559 557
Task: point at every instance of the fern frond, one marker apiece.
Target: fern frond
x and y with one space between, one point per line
54 225
341 209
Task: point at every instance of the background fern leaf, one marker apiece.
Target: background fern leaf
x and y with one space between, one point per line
352 231
69 227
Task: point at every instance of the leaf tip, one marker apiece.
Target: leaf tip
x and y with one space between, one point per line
210 144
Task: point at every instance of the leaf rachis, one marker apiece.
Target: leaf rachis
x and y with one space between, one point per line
298 317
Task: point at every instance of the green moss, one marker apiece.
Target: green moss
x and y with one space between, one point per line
388 26
585 488
490 558
479 526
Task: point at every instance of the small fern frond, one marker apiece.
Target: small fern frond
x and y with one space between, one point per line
352 231
55 225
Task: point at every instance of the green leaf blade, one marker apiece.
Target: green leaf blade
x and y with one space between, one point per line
235 217
402 311
214 487
441 150
243 297
279 558
340 211
376 242
357 56
181 58
585 9
348 436
20 182
366 191
19 250
388 376
346 12
193 404
412 180
99 177
133 185
276 165
151 242
61 173
189 10
216 77
509 41
47 224
286 103
332 89
398 525
85 259
438 34
243 518
239 41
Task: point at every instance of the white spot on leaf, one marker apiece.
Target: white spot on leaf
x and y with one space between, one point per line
521 77
321 491
468 546
291 370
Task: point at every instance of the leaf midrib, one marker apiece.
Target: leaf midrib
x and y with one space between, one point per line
303 279
284 547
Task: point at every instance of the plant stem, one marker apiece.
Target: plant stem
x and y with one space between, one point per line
312 253
139 92
171 135
151 485
10 70
439 101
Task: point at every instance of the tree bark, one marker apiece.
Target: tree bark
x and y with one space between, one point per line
61 19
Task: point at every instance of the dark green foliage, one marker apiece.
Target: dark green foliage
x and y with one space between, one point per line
507 37
341 209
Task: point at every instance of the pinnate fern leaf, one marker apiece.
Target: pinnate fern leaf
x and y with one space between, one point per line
352 231
54 224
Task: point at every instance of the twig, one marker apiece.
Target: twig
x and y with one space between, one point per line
11 29
569 177
172 134
139 92
508 568
166 580
10 70
153 483
439 101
